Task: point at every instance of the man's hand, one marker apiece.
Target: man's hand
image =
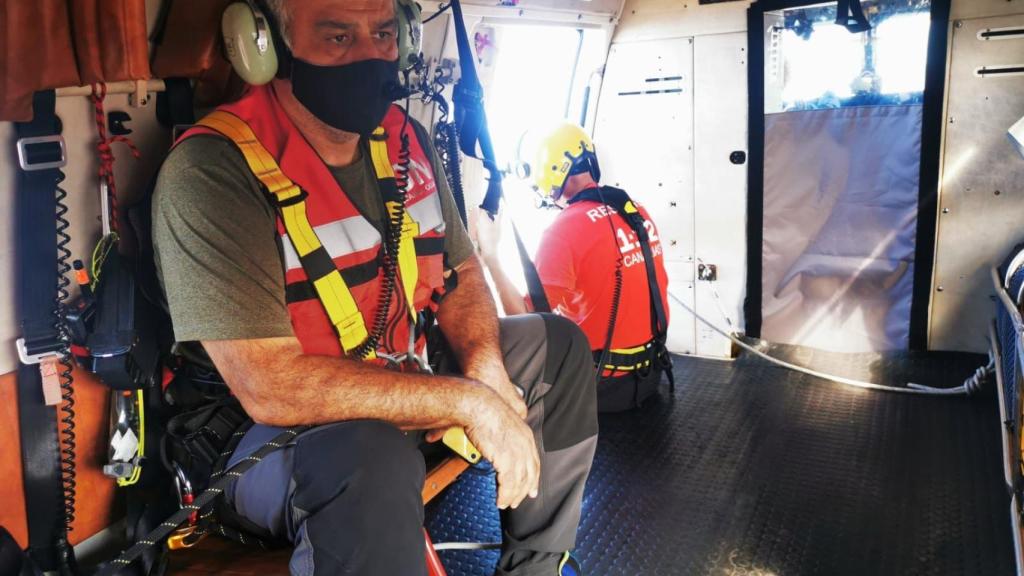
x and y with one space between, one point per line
487 234
496 378
507 442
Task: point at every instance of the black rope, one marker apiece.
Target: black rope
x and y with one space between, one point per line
203 501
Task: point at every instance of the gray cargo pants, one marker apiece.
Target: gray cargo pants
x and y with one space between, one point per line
347 495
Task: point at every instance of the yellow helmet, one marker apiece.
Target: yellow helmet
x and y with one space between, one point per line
565 150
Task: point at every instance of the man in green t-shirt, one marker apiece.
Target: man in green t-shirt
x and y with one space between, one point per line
347 493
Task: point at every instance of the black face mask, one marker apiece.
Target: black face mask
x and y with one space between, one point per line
353 97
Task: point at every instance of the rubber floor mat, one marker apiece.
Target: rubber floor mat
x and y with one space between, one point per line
749 469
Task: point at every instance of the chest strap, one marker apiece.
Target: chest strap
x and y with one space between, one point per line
388 185
330 287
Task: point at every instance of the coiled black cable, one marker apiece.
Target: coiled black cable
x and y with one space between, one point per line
616 296
392 241
448 138
69 484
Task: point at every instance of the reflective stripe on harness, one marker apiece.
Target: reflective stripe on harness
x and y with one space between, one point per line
627 359
330 287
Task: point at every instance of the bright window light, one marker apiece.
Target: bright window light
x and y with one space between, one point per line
532 87
901 53
823 65
826 63
534 65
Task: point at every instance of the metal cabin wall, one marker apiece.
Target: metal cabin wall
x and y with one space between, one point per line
981 196
672 151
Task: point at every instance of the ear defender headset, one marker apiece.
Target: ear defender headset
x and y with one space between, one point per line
257 52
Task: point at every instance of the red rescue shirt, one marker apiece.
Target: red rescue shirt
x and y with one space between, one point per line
576 263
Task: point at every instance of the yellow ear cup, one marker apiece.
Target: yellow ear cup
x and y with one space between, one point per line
249 43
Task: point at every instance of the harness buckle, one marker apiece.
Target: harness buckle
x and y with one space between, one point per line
43 354
42 153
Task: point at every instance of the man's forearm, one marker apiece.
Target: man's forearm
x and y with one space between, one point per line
284 389
511 300
469 321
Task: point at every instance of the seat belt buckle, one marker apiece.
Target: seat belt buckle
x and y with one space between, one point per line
48 361
42 153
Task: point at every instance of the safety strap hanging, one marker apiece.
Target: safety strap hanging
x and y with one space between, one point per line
471 117
850 15
538 298
333 293
41 155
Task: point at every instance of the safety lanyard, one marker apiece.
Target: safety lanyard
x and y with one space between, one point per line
331 289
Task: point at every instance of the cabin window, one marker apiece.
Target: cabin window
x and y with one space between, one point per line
814 64
537 75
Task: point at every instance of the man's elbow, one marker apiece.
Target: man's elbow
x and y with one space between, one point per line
267 410
264 403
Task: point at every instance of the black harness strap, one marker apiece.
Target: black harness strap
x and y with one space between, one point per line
41 154
538 297
850 15
618 199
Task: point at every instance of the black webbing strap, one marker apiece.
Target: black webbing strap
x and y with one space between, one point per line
538 298
850 15
39 145
202 502
470 115
618 199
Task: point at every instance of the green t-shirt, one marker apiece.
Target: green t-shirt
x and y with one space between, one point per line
216 244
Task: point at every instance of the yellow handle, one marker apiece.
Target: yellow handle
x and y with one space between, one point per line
455 438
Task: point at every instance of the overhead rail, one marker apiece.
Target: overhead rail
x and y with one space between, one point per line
138 90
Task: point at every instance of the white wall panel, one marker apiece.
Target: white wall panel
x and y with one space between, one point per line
651 19
720 189
644 137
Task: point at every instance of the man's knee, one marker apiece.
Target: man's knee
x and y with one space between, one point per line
366 460
567 344
571 404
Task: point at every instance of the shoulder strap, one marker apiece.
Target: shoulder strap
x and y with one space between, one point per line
331 289
534 286
620 201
